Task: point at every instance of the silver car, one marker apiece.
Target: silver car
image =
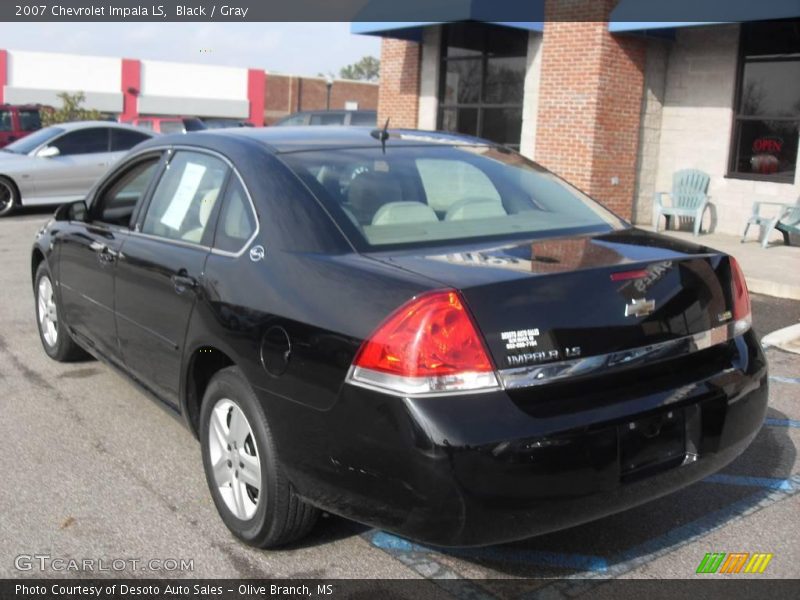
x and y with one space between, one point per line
59 164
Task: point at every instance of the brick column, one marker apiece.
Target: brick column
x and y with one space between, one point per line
131 88
590 100
398 97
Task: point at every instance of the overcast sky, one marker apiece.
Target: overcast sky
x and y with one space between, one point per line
295 48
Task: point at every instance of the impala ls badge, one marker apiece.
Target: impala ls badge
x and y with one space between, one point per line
640 307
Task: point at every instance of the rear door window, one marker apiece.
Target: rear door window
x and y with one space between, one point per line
363 119
125 139
83 141
184 199
6 120
327 119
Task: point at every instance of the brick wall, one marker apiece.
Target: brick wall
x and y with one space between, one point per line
285 94
400 83
590 99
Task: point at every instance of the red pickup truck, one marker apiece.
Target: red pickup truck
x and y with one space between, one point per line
17 121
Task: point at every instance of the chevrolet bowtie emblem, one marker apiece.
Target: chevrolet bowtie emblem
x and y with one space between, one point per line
640 307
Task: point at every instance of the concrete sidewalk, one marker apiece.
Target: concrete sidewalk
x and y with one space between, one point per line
774 271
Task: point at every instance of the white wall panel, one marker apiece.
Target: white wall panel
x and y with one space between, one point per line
180 80
63 72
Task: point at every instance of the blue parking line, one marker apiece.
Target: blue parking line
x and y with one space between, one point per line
595 564
771 483
779 379
669 542
782 422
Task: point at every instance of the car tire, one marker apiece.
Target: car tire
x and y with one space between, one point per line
9 196
234 429
56 339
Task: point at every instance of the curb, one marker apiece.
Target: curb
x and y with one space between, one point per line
773 288
787 339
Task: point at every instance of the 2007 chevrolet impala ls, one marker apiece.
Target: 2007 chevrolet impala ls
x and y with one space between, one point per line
423 332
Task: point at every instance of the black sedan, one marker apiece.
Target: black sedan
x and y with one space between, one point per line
423 332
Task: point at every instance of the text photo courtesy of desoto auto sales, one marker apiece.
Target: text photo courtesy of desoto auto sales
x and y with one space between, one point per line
313 300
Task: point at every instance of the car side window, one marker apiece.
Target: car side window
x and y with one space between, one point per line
125 139
116 205
5 120
236 221
291 121
363 119
83 141
30 120
327 119
184 199
172 127
144 124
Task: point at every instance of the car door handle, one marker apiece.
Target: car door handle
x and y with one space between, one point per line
183 282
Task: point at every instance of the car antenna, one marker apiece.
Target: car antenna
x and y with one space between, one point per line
382 135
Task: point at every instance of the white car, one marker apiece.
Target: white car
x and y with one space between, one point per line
61 163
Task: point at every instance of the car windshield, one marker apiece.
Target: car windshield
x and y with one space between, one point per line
413 196
34 140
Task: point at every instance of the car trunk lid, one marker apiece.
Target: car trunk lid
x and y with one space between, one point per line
543 301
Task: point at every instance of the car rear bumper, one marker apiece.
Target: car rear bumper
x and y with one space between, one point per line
480 469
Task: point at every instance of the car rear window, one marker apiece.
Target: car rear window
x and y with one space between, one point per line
413 196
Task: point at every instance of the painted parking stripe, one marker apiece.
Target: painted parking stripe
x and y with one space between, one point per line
771 483
595 564
654 548
782 422
780 379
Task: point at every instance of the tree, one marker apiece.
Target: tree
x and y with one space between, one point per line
366 69
70 110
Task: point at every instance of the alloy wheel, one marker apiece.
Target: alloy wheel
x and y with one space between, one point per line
234 457
6 197
48 313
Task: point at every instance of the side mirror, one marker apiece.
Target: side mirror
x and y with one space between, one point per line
48 152
72 211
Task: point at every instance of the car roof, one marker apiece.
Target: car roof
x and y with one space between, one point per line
299 139
73 125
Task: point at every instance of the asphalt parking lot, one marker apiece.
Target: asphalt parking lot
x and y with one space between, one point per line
92 468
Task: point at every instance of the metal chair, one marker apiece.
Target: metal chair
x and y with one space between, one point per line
786 220
688 198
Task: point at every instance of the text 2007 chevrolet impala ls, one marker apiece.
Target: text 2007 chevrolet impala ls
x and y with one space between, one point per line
423 332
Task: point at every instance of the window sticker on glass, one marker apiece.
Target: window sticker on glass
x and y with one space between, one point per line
182 200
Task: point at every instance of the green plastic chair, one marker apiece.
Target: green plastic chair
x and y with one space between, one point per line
688 198
785 219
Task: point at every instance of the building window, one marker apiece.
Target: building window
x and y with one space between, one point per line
482 81
767 108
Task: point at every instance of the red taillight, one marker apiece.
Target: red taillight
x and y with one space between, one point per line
429 344
741 298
